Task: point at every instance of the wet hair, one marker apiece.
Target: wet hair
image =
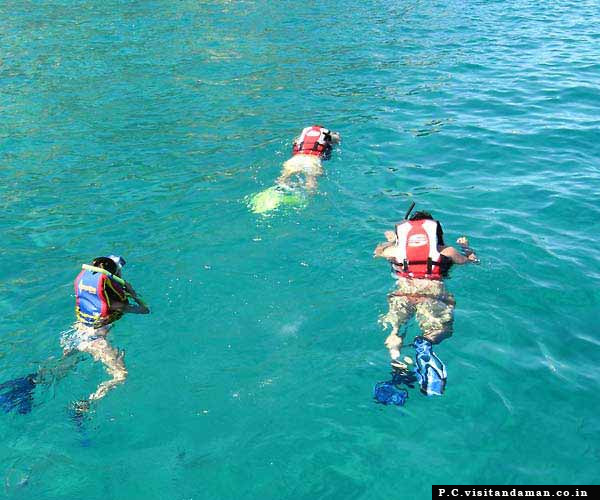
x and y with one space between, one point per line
106 264
427 216
421 216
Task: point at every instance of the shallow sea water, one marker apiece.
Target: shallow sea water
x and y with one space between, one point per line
142 127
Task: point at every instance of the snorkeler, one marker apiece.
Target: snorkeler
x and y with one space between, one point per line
313 146
420 261
101 299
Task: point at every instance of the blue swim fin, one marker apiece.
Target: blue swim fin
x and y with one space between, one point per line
429 369
18 393
387 393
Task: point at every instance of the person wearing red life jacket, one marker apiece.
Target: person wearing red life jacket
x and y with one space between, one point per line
420 261
314 145
101 298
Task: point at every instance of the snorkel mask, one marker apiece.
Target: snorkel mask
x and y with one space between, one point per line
118 260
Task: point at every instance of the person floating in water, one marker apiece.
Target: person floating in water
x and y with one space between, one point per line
101 298
313 146
420 261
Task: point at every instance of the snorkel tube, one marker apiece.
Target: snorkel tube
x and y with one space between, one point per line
113 277
410 209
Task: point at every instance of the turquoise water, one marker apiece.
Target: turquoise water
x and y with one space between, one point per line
142 127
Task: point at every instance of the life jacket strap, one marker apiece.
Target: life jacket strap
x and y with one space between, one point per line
87 319
429 262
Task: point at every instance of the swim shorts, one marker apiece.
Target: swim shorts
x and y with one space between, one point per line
303 164
429 301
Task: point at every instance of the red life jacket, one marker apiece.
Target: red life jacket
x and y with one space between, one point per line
315 140
419 256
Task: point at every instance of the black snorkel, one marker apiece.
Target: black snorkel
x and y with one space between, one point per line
410 209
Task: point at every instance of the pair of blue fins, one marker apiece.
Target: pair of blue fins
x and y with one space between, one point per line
429 372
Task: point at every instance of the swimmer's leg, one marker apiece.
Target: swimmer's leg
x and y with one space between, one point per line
311 182
112 360
400 311
290 168
312 170
436 319
283 178
52 371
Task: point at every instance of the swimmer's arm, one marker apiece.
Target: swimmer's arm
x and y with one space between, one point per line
390 236
136 309
466 250
125 307
387 250
453 254
457 257
140 308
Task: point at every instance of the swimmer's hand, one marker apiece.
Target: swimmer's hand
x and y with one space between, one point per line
390 236
467 251
137 309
